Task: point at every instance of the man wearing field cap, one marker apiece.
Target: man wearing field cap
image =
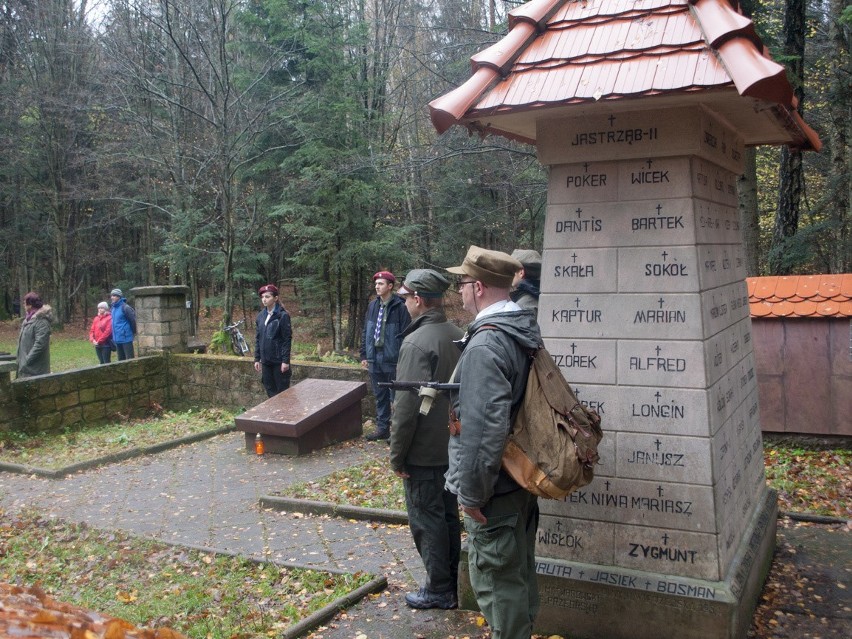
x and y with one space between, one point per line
527 282
418 443
492 374
386 318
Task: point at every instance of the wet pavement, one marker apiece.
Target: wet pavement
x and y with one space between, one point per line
206 495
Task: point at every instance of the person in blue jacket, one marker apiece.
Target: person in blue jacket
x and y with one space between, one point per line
272 342
123 324
386 319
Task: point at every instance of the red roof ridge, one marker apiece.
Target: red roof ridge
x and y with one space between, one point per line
826 295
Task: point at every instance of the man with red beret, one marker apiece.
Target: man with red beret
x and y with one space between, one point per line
273 342
386 319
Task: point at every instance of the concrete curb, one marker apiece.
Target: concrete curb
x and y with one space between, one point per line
814 519
327 613
113 458
346 511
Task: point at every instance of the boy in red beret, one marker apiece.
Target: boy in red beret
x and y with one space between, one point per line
272 343
386 318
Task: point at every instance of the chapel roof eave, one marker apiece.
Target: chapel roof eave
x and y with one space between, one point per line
557 51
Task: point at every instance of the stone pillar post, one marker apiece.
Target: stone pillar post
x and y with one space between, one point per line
161 318
644 306
10 410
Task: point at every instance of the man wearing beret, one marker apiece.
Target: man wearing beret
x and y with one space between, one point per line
500 517
273 341
386 318
527 282
418 443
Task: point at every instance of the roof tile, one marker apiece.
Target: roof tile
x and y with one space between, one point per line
846 284
808 286
785 287
800 296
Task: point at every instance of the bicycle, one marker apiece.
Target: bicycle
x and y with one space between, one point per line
238 343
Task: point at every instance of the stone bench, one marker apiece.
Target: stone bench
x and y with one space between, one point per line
308 416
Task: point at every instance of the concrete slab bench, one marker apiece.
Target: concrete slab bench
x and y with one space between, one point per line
308 416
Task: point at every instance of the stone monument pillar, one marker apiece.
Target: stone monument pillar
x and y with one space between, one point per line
161 318
641 111
645 309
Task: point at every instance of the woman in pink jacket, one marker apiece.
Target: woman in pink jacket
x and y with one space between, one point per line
101 333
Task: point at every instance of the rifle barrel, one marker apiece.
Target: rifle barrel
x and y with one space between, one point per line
400 385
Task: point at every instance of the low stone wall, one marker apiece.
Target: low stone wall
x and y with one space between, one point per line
88 395
232 381
133 387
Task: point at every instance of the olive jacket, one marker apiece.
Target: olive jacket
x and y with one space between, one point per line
427 354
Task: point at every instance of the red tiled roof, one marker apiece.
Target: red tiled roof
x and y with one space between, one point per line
801 296
559 53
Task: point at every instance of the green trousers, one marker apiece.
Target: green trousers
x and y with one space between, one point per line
501 556
433 515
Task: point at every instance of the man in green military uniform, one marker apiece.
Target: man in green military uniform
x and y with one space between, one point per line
500 517
418 439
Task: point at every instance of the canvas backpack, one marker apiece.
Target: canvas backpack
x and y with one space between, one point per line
553 447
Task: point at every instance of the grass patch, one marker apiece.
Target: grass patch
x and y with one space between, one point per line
369 485
53 451
810 476
66 352
152 584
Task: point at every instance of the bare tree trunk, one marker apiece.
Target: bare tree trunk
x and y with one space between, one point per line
791 185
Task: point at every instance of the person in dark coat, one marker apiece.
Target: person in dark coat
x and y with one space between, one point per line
526 285
273 341
386 319
34 340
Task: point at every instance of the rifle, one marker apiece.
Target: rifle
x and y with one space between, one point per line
416 386
426 390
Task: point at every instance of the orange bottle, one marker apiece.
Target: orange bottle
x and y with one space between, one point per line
258 444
